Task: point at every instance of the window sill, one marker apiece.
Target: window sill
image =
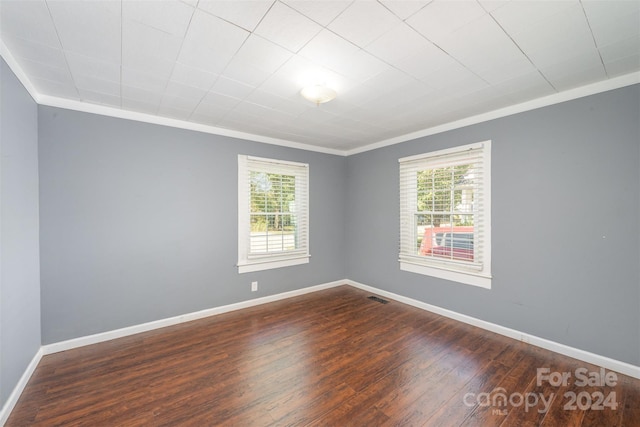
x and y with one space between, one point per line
248 267
455 276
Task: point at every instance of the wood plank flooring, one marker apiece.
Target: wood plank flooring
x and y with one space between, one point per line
330 358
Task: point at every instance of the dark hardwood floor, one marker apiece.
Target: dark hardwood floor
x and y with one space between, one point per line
330 358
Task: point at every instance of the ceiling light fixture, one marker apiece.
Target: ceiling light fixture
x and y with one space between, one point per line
318 94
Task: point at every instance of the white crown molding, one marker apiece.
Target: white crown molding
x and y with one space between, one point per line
104 110
576 353
18 71
19 388
568 95
556 98
85 107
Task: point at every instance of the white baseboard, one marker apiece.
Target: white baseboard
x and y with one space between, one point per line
144 327
17 390
585 356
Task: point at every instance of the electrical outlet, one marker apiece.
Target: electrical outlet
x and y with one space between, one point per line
254 286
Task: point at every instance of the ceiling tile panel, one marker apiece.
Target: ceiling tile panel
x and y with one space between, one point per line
500 71
28 20
245 73
173 112
426 61
563 34
85 65
519 16
22 48
382 84
525 88
208 114
404 8
233 88
287 27
294 106
493 5
626 65
298 73
139 39
178 102
44 71
316 117
448 78
137 94
88 82
140 79
171 17
245 14
328 49
441 18
620 49
210 43
609 12
192 76
575 71
260 113
481 44
100 98
52 88
626 26
322 12
262 54
89 28
363 22
361 66
404 94
139 106
179 90
386 47
337 54
280 84
220 101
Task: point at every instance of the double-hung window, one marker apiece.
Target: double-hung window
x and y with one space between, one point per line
445 214
273 213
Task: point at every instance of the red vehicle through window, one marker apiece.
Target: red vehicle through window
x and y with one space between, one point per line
454 243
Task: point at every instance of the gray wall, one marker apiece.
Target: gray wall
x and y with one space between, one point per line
19 252
139 223
566 221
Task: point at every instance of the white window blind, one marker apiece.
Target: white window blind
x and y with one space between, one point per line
445 214
273 213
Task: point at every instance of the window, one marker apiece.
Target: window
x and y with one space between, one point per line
273 213
445 214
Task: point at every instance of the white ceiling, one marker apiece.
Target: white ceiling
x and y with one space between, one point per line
398 66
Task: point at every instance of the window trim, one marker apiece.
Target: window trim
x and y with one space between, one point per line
249 263
481 278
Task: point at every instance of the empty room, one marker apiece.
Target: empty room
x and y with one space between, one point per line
319 213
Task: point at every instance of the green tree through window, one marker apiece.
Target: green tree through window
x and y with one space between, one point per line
273 211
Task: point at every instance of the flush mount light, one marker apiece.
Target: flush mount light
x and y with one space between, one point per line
318 94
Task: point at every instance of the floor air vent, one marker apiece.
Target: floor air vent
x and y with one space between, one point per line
377 299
